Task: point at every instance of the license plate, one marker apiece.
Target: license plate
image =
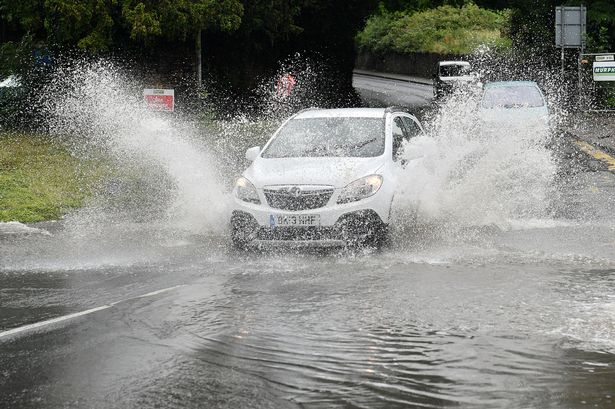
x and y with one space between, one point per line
297 220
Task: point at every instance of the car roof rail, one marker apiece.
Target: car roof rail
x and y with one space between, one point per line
391 109
307 109
303 110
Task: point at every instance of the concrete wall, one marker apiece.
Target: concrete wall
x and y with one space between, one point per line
416 64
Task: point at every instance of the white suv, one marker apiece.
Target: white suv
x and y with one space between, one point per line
327 177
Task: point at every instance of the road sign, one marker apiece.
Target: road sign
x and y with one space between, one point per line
570 23
159 99
605 58
604 71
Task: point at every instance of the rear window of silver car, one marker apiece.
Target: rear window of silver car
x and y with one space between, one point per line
517 96
328 137
454 70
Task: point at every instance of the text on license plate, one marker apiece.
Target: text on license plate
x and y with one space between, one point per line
294 220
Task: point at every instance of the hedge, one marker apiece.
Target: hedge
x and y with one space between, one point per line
444 30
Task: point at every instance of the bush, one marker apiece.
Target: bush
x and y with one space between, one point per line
12 106
19 106
443 30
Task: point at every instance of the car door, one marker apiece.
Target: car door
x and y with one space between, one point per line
413 126
399 136
405 128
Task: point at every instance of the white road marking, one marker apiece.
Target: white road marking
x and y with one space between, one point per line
37 325
164 290
52 321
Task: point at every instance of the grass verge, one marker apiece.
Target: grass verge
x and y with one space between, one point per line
40 180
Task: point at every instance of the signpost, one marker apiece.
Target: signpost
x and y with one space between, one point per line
570 25
597 82
604 70
605 57
159 99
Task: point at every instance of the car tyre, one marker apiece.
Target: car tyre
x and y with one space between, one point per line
243 227
377 238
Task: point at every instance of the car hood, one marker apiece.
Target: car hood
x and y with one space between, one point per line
11 81
337 172
515 115
462 78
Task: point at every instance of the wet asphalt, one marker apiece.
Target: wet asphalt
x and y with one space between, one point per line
479 317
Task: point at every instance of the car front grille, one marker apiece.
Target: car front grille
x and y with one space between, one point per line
296 198
298 233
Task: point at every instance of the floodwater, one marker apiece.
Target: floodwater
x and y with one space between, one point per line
497 293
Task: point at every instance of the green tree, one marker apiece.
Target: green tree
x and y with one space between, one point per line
444 29
92 24
533 22
103 25
87 24
601 25
181 20
313 38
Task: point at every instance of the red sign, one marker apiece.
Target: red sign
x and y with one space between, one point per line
159 99
285 85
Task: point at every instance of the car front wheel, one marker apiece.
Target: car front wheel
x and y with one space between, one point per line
364 229
243 227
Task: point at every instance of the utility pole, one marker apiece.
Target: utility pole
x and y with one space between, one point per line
199 59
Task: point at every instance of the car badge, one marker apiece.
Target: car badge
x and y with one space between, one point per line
295 191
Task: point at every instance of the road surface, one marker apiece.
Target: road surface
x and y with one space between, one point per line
104 313
379 91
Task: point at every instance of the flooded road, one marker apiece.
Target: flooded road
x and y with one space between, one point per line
119 313
521 317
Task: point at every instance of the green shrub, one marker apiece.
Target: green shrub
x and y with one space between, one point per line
445 30
20 106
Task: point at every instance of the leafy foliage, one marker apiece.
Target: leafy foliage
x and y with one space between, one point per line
179 19
100 25
532 24
601 25
445 29
272 31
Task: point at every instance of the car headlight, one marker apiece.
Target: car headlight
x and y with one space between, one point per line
360 189
245 190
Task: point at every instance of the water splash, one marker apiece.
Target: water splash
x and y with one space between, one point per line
315 86
463 175
101 109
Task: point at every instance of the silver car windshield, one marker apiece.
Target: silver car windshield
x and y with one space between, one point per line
328 137
519 96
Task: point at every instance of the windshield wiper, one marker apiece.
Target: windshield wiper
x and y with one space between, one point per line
360 145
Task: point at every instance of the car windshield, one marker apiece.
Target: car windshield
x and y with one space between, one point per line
328 137
518 96
454 70
10 82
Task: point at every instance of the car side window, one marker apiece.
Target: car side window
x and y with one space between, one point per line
399 134
412 128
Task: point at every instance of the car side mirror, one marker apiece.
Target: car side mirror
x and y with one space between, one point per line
252 153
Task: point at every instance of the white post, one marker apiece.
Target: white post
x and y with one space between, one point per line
199 62
562 41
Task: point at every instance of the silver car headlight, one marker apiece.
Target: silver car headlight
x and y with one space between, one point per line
245 190
360 189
